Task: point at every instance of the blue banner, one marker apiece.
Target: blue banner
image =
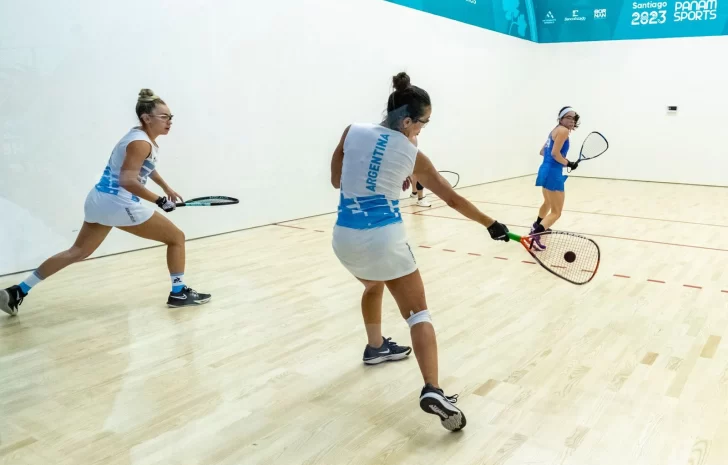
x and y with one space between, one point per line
548 21
588 20
512 17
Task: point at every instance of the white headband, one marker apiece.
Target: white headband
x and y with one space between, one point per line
565 111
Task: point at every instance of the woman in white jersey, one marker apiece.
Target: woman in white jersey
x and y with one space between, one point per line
116 202
369 166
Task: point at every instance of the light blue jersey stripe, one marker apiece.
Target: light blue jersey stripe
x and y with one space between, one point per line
109 183
367 212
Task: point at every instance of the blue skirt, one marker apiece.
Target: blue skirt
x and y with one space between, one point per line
551 177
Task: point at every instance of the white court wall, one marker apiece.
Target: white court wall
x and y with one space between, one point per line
261 92
623 88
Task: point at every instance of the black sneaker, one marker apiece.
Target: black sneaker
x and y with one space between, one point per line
434 401
388 352
10 299
186 298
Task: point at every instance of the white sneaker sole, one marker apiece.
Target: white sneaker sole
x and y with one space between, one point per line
451 417
388 358
183 303
5 303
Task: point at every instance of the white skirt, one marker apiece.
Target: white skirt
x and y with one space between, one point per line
115 211
379 254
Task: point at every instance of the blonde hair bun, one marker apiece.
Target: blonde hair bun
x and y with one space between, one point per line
147 95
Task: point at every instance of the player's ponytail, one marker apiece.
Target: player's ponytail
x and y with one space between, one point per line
407 101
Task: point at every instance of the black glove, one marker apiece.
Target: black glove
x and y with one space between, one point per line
572 165
165 204
499 232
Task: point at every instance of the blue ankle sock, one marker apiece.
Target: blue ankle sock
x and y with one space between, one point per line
30 281
177 282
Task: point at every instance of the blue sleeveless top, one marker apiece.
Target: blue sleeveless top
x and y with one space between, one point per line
548 158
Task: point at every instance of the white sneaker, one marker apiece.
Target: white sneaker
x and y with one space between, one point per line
423 202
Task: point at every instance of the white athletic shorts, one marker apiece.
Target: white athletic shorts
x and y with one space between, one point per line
112 210
380 254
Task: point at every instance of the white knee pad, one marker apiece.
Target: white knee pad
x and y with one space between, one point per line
419 317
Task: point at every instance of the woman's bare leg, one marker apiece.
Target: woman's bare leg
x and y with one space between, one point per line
409 293
556 202
89 238
160 229
371 310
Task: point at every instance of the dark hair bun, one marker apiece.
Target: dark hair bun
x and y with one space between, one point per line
146 95
401 81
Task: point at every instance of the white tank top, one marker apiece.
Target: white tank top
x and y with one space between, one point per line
377 160
109 182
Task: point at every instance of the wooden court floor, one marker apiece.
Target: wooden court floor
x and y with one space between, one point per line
629 369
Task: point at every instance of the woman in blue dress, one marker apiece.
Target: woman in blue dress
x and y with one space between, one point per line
551 175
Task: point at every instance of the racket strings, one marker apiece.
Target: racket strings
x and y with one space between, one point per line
594 145
451 177
560 248
210 201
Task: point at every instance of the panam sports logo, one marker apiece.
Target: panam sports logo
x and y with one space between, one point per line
703 10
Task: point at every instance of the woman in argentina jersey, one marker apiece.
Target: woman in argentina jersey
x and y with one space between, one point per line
115 202
551 177
370 166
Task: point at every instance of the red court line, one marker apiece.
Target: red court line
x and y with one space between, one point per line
602 235
609 214
691 286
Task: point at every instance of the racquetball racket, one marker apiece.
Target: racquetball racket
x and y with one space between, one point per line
594 145
209 201
451 177
569 256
